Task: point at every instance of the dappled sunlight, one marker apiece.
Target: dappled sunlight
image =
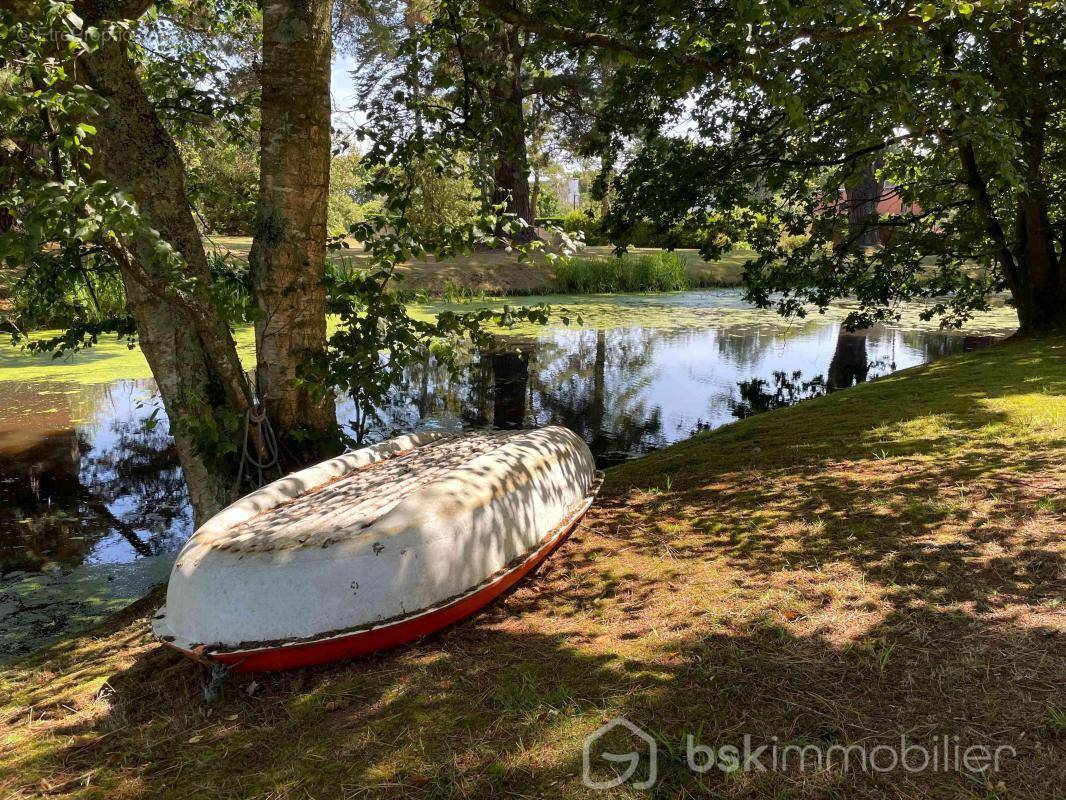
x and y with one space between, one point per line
1042 411
342 547
816 574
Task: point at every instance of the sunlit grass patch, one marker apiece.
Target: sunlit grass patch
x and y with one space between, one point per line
1031 412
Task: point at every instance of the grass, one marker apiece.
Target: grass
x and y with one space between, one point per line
879 562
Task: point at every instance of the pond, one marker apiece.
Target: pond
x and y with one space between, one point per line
92 501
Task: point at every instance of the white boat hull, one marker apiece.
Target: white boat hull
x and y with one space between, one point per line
267 600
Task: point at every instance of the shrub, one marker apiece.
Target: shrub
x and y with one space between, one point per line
794 241
648 272
646 234
545 221
587 223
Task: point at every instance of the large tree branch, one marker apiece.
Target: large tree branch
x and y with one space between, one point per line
509 11
555 84
848 158
975 181
96 11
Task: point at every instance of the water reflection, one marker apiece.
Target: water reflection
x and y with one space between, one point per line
88 474
104 490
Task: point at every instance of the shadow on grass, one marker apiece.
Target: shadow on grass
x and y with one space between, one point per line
885 562
483 712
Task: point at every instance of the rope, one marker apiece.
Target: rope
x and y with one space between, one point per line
261 456
213 685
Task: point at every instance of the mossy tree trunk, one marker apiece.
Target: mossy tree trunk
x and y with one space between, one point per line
289 248
184 336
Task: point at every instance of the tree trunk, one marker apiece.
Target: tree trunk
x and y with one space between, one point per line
184 337
862 200
1040 297
289 248
511 173
512 186
1034 272
534 196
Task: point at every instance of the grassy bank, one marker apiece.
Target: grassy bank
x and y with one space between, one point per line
881 561
500 273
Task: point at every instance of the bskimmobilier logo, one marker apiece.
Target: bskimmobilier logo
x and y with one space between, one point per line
644 743
614 753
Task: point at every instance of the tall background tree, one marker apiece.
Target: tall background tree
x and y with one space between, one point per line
508 90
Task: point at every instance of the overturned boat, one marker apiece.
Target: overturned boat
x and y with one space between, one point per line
374 548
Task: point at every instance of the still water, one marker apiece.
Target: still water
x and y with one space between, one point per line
92 502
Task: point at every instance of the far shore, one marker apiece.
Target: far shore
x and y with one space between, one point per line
500 273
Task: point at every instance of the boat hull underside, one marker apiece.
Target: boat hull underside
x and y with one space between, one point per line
292 655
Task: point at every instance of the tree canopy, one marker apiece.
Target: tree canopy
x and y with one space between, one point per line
760 121
883 151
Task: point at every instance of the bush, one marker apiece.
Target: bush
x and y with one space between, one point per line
544 222
646 234
649 272
574 221
794 241
548 204
587 223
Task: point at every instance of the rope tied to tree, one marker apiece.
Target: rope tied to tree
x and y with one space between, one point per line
260 450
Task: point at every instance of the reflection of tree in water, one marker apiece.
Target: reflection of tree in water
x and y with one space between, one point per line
510 383
39 498
590 381
850 363
427 391
497 389
938 346
61 495
594 384
758 395
597 382
140 468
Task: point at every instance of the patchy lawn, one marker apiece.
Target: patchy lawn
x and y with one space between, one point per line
879 562
501 273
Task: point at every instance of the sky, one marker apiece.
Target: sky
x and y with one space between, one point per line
343 92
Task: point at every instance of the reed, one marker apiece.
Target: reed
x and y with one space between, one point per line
647 272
